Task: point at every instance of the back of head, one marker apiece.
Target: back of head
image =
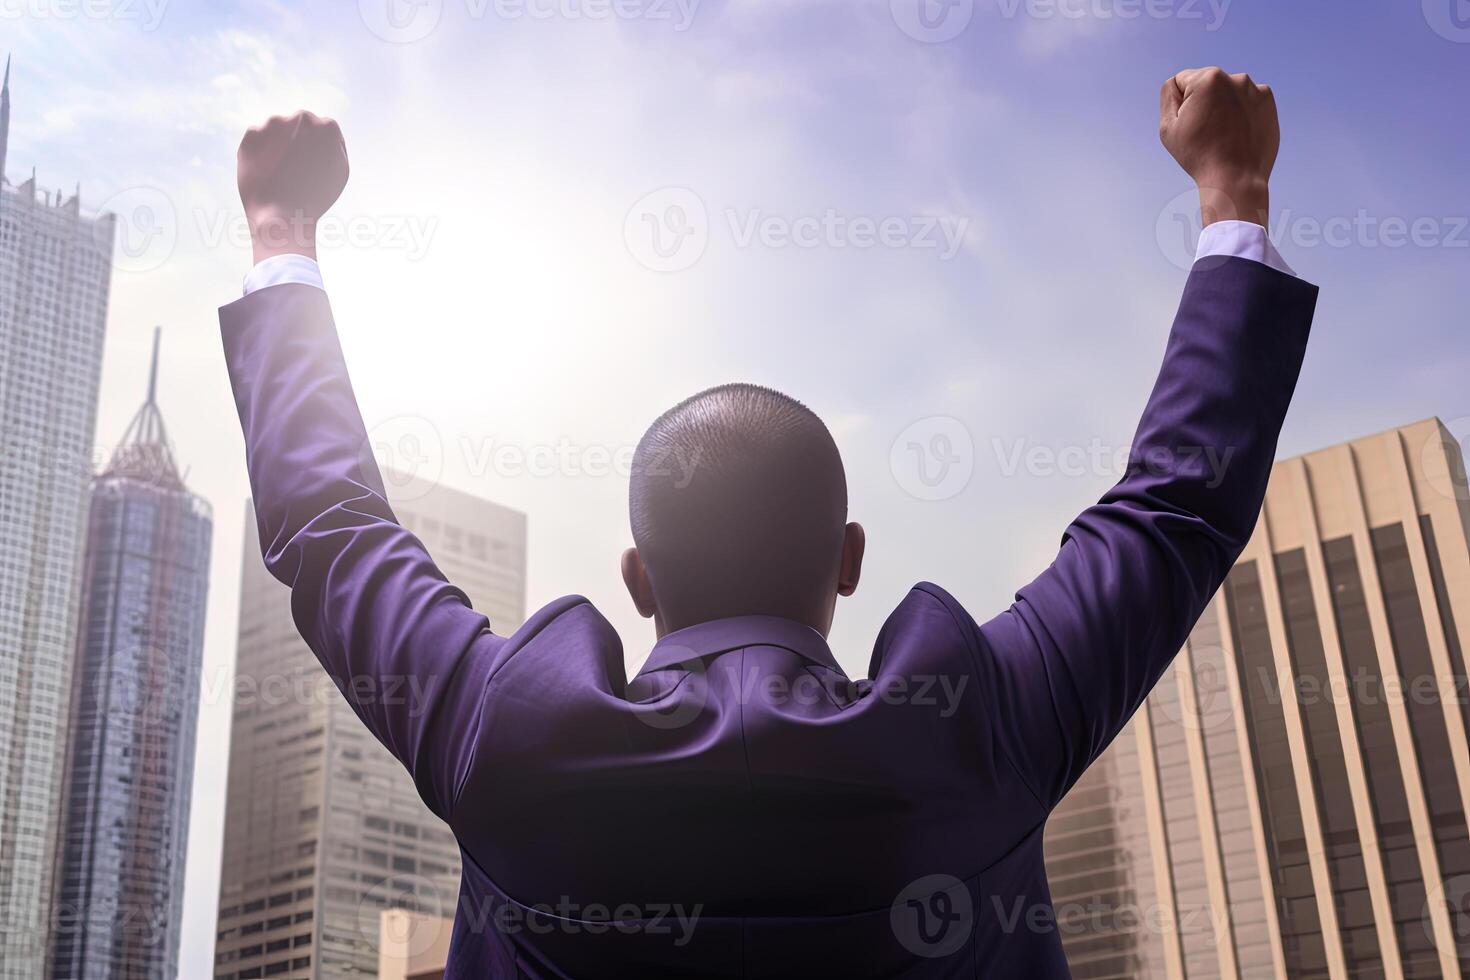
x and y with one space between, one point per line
738 504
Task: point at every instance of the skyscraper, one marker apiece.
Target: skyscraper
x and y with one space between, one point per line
55 271
323 828
1098 865
134 708
1307 777
4 119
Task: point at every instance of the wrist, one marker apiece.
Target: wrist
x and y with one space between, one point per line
1235 199
276 232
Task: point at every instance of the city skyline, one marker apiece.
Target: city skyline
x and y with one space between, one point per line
554 173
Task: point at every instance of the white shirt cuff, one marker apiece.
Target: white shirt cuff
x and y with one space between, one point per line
1241 240
279 270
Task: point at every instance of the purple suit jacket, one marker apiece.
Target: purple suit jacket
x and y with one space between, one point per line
740 808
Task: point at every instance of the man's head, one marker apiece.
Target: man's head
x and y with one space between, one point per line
739 507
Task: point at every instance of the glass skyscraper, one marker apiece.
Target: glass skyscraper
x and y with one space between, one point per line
55 272
134 707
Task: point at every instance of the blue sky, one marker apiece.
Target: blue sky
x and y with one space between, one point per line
493 289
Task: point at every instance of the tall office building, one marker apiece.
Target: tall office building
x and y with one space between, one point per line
55 271
1306 776
323 828
134 709
1099 869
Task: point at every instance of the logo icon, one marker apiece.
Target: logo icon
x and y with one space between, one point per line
1450 19
408 452
932 21
667 230
143 230
934 916
401 21
414 934
1454 895
683 702
1449 481
1210 689
1178 229
137 690
934 458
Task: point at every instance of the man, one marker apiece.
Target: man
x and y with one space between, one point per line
739 808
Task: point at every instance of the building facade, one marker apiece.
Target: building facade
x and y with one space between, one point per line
324 829
55 273
1099 870
1305 772
134 712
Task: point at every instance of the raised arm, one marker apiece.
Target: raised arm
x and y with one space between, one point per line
403 646
1085 642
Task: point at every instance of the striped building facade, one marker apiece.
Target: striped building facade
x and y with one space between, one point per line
1303 767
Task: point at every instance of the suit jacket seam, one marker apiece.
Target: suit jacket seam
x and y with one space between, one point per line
980 673
483 704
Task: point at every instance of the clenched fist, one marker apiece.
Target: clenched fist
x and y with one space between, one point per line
291 170
1223 131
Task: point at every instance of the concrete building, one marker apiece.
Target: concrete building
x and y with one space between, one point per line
134 713
323 827
55 273
1099 868
1304 766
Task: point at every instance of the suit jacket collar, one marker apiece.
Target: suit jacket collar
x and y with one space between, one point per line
723 635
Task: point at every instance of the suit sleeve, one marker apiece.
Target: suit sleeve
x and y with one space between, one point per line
401 644
1083 644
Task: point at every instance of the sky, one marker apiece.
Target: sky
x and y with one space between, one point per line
946 225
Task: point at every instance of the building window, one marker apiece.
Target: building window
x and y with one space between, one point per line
1426 713
1447 619
1380 760
1335 811
1281 816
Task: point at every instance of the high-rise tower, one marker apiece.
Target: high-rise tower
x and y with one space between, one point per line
134 708
323 827
55 271
4 119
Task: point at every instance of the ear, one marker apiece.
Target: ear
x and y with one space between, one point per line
635 577
854 543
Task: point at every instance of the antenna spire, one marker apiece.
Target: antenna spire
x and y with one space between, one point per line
153 369
4 117
143 452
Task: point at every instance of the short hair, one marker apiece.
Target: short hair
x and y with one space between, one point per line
738 502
